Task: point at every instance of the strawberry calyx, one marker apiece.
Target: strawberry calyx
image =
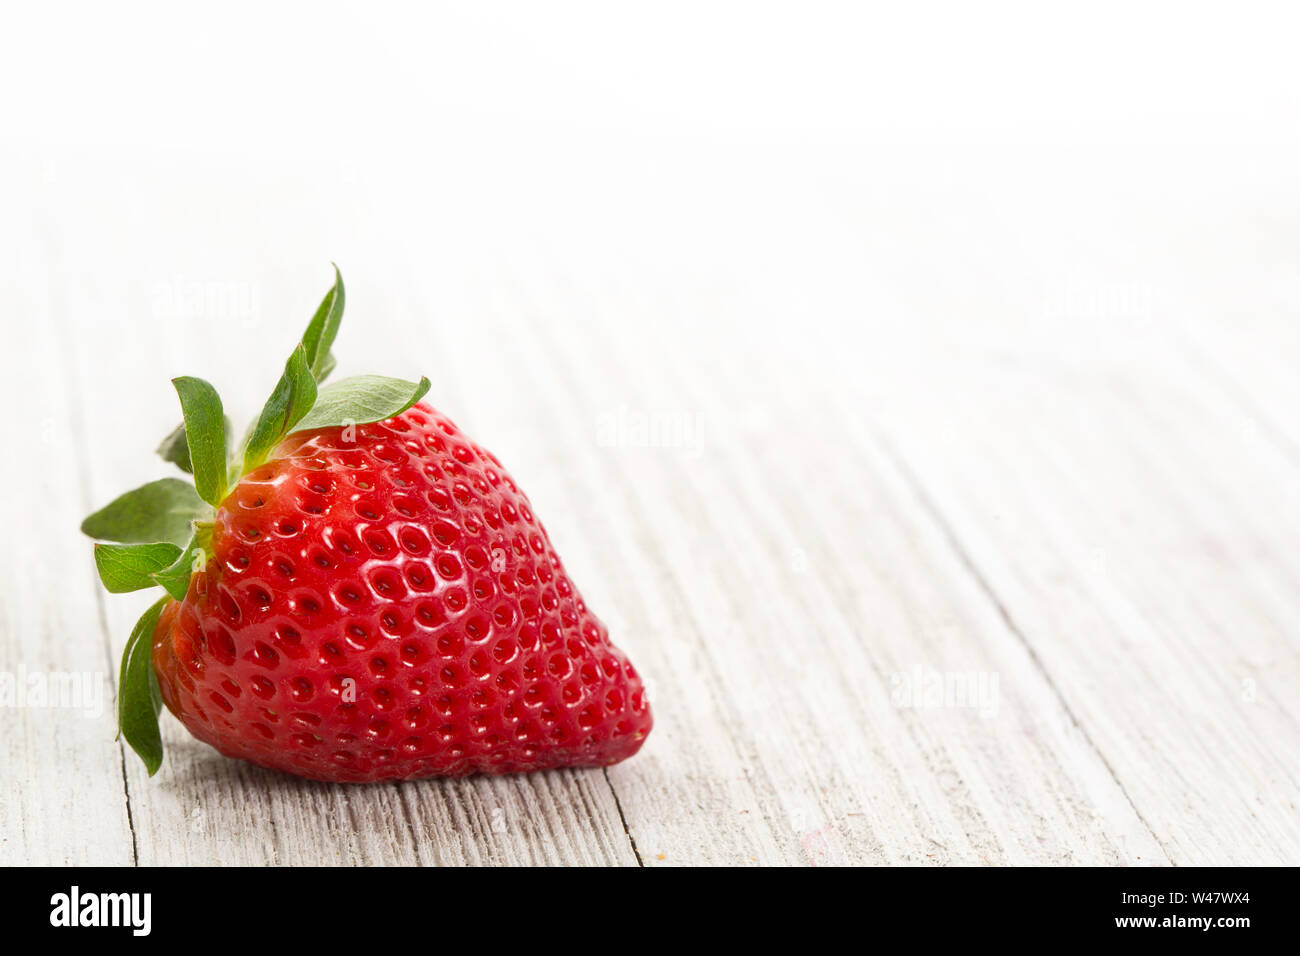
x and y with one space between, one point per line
160 534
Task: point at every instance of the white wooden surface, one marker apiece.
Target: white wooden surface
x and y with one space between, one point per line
1025 410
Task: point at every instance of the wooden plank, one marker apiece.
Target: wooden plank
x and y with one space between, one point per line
1102 488
64 800
781 619
1164 646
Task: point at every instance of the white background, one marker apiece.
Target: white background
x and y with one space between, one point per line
970 331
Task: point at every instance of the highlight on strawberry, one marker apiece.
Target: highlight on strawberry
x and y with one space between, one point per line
355 591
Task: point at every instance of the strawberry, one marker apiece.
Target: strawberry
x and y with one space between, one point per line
358 592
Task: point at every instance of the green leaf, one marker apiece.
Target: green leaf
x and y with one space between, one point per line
360 400
292 398
175 576
175 450
326 368
159 511
322 329
129 567
205 435
138 701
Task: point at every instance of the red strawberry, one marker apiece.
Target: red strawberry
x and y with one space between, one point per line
368 602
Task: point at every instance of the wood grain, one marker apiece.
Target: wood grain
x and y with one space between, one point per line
801 471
